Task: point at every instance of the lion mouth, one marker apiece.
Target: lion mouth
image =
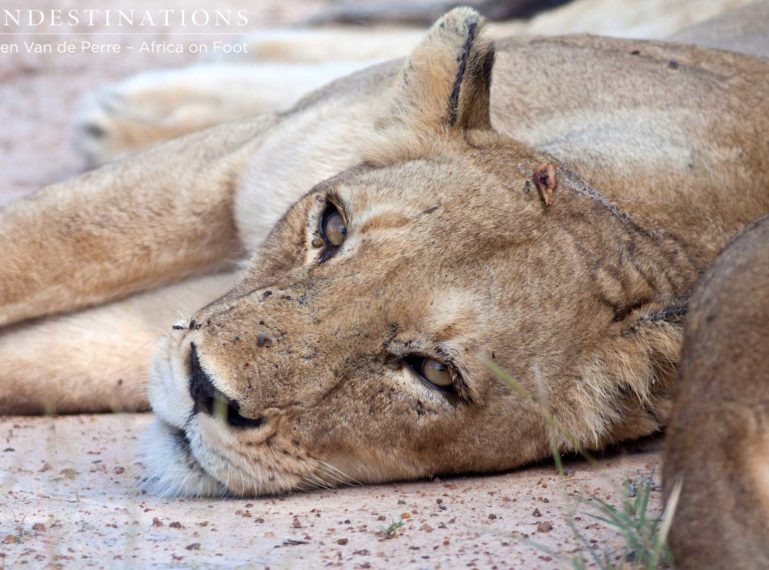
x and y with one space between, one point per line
183 447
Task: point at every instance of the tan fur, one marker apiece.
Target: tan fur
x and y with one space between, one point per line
718 441
127 227
121 118
96 359
659 152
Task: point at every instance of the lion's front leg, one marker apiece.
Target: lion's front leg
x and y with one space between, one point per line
96 360
128 227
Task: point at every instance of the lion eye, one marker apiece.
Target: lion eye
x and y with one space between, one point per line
332 227
436 372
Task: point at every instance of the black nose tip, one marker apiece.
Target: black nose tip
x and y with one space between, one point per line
204 394
209 400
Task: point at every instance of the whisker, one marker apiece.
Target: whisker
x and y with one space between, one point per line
321 484
349 480
159 330
335 478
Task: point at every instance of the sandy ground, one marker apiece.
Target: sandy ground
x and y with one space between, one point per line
68 492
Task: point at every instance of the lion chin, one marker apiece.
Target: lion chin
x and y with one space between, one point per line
171 468
179 464
186 455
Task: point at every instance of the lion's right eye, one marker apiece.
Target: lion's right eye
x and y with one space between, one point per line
332 227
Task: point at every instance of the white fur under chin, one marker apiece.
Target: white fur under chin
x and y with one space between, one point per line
171 470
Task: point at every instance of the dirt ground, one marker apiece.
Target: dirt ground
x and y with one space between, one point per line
70 496
68 486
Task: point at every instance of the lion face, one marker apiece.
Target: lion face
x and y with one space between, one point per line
361 342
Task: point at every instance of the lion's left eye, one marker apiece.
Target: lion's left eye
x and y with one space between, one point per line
332 227
437 373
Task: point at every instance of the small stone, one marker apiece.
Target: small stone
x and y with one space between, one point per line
544 526
68 473
342 541
193 546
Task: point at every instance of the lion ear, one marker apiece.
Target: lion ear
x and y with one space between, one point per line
446 82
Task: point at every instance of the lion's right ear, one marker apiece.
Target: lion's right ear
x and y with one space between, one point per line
446 82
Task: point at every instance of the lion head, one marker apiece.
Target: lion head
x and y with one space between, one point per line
365 339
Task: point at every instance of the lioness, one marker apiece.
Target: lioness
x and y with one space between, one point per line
406 230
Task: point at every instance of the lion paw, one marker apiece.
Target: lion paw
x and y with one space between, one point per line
122 118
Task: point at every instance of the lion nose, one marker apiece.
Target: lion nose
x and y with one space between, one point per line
213 402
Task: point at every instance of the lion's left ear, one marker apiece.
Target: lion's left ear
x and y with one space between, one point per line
446 82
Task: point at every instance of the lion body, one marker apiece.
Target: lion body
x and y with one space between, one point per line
718 441
152 106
